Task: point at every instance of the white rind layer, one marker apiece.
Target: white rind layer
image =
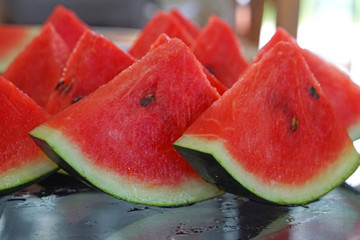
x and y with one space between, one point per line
354 130
331 176
124 187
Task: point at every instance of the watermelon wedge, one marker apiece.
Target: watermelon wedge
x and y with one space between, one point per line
343 93
161 23
119 138
192 28
67 24
13 40
219 50
274 135
21 160
37 69
93 62
163 38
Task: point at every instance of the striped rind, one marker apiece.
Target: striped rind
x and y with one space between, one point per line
124 187
330 177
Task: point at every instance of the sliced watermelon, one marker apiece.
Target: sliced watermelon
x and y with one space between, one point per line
67 24
163 38
273 135
161 23
93 62
21 160
190 26
37 69
219 50
343 93
13 40
280 35
120 137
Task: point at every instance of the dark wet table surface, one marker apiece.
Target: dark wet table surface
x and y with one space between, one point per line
60 207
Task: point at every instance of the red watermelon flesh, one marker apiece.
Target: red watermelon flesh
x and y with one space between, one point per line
13 40
343 93
37 69
93 62
219 50
190 26
120 137
161 23
275 133
21 161
67 24
163 38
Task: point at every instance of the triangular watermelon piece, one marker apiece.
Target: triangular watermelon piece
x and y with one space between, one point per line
190 26
21 160
274 135
37 69
67 24
163 38
119 138
13 40
161 23
343 93
93 62
279 35
219 50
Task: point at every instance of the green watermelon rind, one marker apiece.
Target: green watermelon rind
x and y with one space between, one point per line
25 175
131 190
281 194
354 130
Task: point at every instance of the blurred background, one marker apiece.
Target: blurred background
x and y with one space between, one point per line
330 28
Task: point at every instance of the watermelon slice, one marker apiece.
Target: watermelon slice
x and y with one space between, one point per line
119 138
343 93
193 29
21 161
274 135
163 38
93 62
280 35
161 23
13 40
38 68
67 24
219 50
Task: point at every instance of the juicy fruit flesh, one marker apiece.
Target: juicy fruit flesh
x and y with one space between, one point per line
93 62
139 118
38 67
18 116
22 161
288 137
218 49
67 24
342 92
161 23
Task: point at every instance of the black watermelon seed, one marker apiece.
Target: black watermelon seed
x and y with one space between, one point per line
294 123
66 88
59 84
147 99
313 92
77 99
